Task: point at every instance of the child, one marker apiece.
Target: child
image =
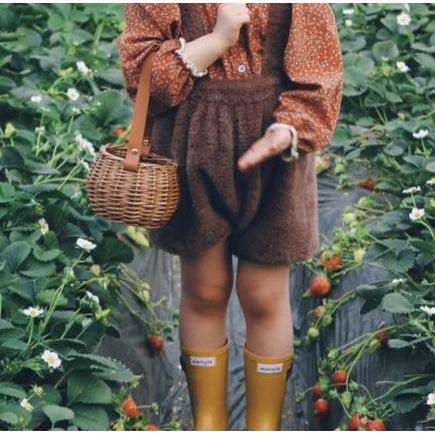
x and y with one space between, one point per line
242 95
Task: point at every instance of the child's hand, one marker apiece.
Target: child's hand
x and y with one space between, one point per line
230 19
269 145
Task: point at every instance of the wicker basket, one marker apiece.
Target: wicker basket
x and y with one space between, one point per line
129 184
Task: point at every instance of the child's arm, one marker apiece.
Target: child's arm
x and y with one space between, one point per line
314 63
157 27
151 27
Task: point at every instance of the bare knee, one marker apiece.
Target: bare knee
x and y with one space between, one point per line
205 297
263 298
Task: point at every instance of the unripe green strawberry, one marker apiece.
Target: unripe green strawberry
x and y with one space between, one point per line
313 333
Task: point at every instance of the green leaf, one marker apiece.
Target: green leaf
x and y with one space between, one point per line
90 417
86 388
368 291
39 269
393 150
58 413
430 167
15 254
46 297
406 404
426 61
400 264
45 255
12 390
112 251
397 343
387 49
395 303
9 417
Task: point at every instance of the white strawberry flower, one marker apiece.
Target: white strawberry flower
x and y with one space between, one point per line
92 297
36 98
86 245
26 405
431 181
416 213
420 134
397 281
43 226
73 94
430 311
85 165
85 145
348 22
52 359
403 19
412 189
431 399
40 130
83 68
348 11
33 312
402 67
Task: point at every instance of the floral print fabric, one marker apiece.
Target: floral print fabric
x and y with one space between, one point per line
312 61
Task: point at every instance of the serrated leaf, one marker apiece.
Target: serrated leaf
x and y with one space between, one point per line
90 417
57 413
395 303
44 255
406 404
397 343
15 254
12 390
400 264
9 417
86 388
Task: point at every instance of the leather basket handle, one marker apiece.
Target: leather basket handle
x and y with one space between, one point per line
139 140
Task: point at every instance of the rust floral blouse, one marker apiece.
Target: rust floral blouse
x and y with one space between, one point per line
312 61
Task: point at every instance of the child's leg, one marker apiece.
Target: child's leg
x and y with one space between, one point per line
264 295
206 287
206 281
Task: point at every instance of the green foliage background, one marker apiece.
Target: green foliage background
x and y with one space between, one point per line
43 166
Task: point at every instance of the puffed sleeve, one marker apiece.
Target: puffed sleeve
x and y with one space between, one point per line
155 27
314 64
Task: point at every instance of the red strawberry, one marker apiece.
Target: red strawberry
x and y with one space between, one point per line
151 427
368 184
320 287
340 379
357 423
119 132
377 424
156 342
322 407
317 391
334 263
130 408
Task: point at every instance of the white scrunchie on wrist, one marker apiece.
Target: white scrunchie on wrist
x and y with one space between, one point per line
192 67
290 153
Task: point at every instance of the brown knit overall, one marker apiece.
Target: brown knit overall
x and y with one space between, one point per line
269 213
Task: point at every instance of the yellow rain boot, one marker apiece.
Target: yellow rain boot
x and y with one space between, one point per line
207 379
266 384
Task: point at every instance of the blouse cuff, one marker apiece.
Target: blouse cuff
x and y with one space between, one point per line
290 153
188 63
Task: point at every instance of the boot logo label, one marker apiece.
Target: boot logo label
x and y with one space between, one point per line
269 368
203 361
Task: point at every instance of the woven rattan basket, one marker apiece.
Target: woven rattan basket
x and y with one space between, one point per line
129 184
